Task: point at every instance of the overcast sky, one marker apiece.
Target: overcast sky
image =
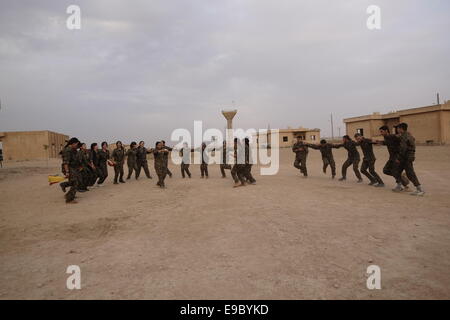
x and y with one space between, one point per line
139 69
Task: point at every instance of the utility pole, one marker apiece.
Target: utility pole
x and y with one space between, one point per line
438 98
332 128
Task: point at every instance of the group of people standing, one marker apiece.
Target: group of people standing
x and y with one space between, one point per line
85 168
401 147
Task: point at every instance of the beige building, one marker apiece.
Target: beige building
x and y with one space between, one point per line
429 125
32 145
287 137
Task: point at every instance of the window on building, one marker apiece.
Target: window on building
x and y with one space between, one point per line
285 139
360 131
313 137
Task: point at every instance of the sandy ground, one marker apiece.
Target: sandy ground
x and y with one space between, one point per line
285 238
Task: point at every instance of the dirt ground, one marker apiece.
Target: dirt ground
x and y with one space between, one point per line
285 238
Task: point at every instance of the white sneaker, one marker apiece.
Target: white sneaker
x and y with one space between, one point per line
417 193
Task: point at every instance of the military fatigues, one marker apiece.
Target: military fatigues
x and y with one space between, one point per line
237 171
71 158
224 164
160 167
369 161
131 162
166 159
141 162
118 156
248 165
86 176
204 164
301 153
103 157
185 154
407 155
392 142
326 151
352 159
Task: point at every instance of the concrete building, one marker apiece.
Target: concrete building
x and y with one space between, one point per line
32 145
287 137
429 124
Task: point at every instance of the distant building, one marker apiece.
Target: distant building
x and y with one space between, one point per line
429 124
32 145
287 137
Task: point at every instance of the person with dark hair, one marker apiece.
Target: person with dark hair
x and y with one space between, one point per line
353 158
71 163
141 160
224 165
118 156
248 163
237 171
160 163
301 153
166 157
407 155
392 142
85 172
93 158
131 160
326 150
185 154
103 159
204 164
368 160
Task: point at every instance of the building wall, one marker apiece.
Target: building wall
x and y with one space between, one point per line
29 145
424 126
309 136
445 126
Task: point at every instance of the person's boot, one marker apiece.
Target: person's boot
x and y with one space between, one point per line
419 191
342 179
371 183
115 182
63 187
398 188
121 181
379 185
333 176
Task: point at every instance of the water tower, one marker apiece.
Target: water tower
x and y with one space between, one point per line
229 115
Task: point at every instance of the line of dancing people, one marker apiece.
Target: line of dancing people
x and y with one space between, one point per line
401 147
87 168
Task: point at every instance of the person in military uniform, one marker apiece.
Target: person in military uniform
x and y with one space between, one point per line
224 164
407 155
85 172
166 157
352 159
204 164
368 160
185 154
248 163
103 159
160 163
392 142
326 150
118 157
301 153
237 171
93 158
131 160
141 160
72 165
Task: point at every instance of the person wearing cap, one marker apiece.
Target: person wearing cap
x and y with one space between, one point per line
353 158
407 155
72 165
326 150
368 160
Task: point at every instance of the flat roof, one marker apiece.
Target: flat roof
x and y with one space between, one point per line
399 113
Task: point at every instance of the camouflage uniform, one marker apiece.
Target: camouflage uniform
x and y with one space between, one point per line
352 159
237 171
326 151
71 158
118 156
86 176
204 164
224 164
185 154
103 157
160 167
131 162
301 153
392 142
166 159
141 162
369 161
248 165
407 155
96 172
